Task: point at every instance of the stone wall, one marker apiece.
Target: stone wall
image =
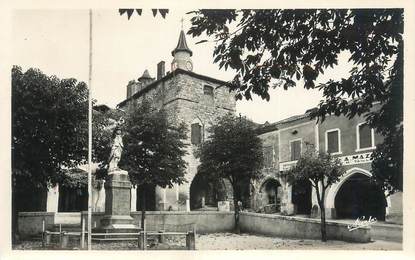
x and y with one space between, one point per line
191 106
302 228
203 221
31 223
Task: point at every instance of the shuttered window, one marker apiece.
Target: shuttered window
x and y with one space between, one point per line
208 90
268 153
208 95
365 136
333 141
295 150
196 133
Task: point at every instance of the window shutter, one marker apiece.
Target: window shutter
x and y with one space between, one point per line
295 150
365 136
196 133
268 156
333 142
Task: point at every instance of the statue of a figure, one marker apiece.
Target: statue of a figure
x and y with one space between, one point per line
116 150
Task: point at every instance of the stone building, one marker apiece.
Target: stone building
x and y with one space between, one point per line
195 99
351 140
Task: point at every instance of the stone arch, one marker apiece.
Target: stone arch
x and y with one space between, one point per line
330 201
270 194
205 193
301 196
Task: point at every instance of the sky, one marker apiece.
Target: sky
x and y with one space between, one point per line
57 42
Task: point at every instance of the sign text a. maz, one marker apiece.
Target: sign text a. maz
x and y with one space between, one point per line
356 158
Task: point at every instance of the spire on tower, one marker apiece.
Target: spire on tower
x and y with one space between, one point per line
146 75
182 45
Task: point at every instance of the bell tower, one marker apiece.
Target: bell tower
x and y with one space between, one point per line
182 55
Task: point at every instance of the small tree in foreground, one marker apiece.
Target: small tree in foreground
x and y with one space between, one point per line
233 152
322 170
153 150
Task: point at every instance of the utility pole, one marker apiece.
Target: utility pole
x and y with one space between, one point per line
90 133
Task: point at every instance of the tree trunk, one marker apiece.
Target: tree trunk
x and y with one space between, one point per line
236 208
323 223
143 207
320 200
236 211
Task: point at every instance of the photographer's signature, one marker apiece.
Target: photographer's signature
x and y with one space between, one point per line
361 222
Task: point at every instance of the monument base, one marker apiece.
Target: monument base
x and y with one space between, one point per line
117 217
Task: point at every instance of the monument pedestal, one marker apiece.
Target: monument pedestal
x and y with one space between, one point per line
117 217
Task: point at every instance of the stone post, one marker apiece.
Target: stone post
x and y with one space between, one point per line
190 240
48 238
188 205
64 239
133 199
161 237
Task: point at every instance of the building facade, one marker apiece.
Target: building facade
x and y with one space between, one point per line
350 140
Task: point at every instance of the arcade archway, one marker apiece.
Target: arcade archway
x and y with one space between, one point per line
271 194
205 193
359 197
301 197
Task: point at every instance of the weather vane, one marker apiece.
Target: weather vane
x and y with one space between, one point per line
182 22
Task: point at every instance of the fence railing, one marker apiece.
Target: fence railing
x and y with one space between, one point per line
140 236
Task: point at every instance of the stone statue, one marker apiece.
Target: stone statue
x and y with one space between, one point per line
116 150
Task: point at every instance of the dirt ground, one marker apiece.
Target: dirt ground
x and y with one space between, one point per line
230 241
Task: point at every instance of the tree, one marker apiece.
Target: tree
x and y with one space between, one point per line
233 151
274 48
153 149
322 170
49 131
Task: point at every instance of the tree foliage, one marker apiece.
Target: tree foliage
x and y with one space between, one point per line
322 170
276 48
74 179
49 127
49 135
153 149
233 151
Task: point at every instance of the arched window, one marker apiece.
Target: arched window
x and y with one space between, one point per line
196 133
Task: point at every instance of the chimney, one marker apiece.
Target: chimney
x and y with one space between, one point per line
160 70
